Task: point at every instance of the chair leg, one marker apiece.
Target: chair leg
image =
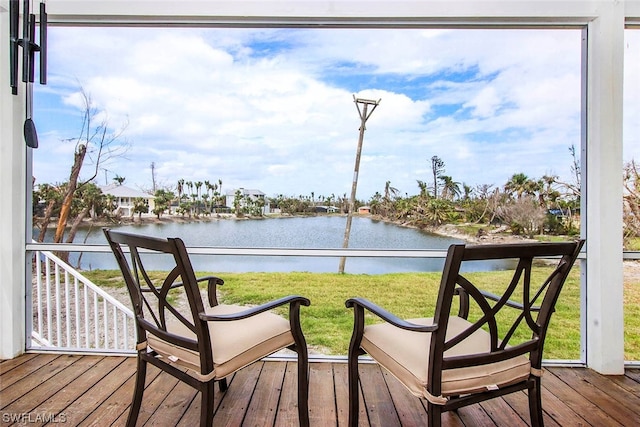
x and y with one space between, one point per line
303 386
222 385
141 375
535 403
434 415
354 402
206 404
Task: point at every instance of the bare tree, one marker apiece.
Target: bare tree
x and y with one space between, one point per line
96 142
573 187
631 206
524 215
437 168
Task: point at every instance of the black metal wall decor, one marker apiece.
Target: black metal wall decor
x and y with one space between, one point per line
29 49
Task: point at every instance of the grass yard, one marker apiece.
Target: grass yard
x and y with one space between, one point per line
327 323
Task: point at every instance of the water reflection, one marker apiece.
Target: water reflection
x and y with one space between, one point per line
322 232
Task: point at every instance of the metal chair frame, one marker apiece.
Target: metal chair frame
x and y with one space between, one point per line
533 314
152 308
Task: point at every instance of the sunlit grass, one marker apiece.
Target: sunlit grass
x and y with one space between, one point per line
327 324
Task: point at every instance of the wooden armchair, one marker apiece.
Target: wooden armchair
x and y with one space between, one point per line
452 361
199 345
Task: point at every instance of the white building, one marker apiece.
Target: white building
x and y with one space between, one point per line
247 195
124 198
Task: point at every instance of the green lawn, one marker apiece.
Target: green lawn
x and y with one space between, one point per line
327 323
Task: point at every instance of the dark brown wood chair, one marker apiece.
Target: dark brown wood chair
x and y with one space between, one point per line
453 360
196 344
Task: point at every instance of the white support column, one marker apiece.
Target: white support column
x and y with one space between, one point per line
604 314
12 211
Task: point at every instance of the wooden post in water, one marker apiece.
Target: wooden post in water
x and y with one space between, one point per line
364 115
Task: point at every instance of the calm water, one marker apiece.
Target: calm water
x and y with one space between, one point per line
309 233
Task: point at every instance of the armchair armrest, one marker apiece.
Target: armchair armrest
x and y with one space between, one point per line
387 316
293 300
212 286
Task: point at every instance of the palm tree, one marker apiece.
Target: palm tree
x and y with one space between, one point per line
375 203
450 188
198 186
180 189
424 193
517 184
437 210
389 191
468 190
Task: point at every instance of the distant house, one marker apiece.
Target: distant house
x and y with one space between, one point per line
326 209
124 197
364 210
247 194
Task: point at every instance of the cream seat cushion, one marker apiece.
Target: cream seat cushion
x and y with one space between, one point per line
405 354
235 344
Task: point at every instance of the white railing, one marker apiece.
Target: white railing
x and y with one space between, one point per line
72 313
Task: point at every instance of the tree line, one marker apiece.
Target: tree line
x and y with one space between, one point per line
524 205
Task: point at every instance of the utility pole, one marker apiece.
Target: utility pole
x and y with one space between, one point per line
153 176
364 115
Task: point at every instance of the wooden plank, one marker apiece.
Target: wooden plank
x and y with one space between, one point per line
475 415
172 408
153 377
322 406
613 385
502 414
627 383
8 364
611 400
555 412
54 394
117 404
409 408
634 374
154 393
557 409
34 378
91 393
575 400
264 403
236 400
22 370
377 397
191 416
81 396
341 381
114 406
287 414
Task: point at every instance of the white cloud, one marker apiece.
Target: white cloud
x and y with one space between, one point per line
273 109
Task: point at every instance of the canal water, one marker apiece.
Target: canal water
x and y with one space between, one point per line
318 232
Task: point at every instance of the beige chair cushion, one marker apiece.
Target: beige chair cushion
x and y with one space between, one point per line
235 344
406 354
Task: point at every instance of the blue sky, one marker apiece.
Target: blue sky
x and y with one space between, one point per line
273 109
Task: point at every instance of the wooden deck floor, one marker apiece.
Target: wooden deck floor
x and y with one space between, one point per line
96 390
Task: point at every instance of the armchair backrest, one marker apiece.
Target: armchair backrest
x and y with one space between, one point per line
153 305
531 301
